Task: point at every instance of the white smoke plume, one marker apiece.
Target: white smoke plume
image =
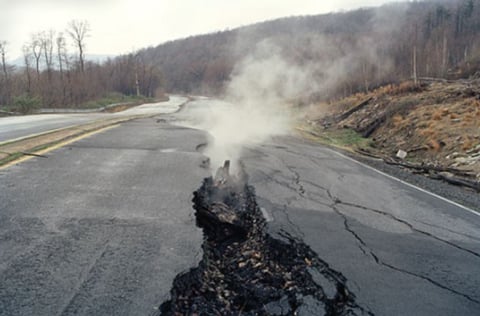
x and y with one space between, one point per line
258 95
265 84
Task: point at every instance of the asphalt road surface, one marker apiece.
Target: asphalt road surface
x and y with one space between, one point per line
102 226
22 126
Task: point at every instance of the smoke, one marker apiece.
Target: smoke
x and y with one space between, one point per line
298 66
259 97
267 82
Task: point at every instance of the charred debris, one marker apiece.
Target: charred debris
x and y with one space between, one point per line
245 271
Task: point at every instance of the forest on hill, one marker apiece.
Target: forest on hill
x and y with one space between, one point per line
343 53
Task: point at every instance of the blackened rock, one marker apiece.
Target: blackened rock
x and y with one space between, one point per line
279 308
311 307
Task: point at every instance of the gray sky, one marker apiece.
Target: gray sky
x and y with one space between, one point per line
121 26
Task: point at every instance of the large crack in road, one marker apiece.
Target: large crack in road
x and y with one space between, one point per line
366 250
298 186
244 270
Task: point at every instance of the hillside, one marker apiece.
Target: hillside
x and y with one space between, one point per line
339 54
348 51
432 128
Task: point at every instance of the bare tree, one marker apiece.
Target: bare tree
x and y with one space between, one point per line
3 52
27 55
62 62
61 52
6 84
414 57
46 42
78 31
138 59
37 52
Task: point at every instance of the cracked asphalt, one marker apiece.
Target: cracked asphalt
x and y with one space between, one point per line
403 251
102 226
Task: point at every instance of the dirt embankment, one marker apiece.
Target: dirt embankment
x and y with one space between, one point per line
431 128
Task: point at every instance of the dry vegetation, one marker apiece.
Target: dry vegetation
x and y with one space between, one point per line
437 124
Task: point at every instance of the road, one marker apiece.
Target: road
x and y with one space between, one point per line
21 126
102 226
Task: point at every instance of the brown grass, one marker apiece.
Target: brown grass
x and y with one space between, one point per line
397 120
467 144
474 103
397 89
437 115
469 117
440 113
434 145
453 116
428 132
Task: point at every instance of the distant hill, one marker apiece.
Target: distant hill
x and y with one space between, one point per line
349 51
302 59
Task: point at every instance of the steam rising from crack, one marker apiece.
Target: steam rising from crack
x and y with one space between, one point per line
258 94
266 84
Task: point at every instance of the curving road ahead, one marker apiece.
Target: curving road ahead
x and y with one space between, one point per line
23 126
102 226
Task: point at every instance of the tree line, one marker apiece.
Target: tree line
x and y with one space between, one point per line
349 51
346 52
51 76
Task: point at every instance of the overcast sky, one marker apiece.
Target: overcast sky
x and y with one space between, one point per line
121 26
